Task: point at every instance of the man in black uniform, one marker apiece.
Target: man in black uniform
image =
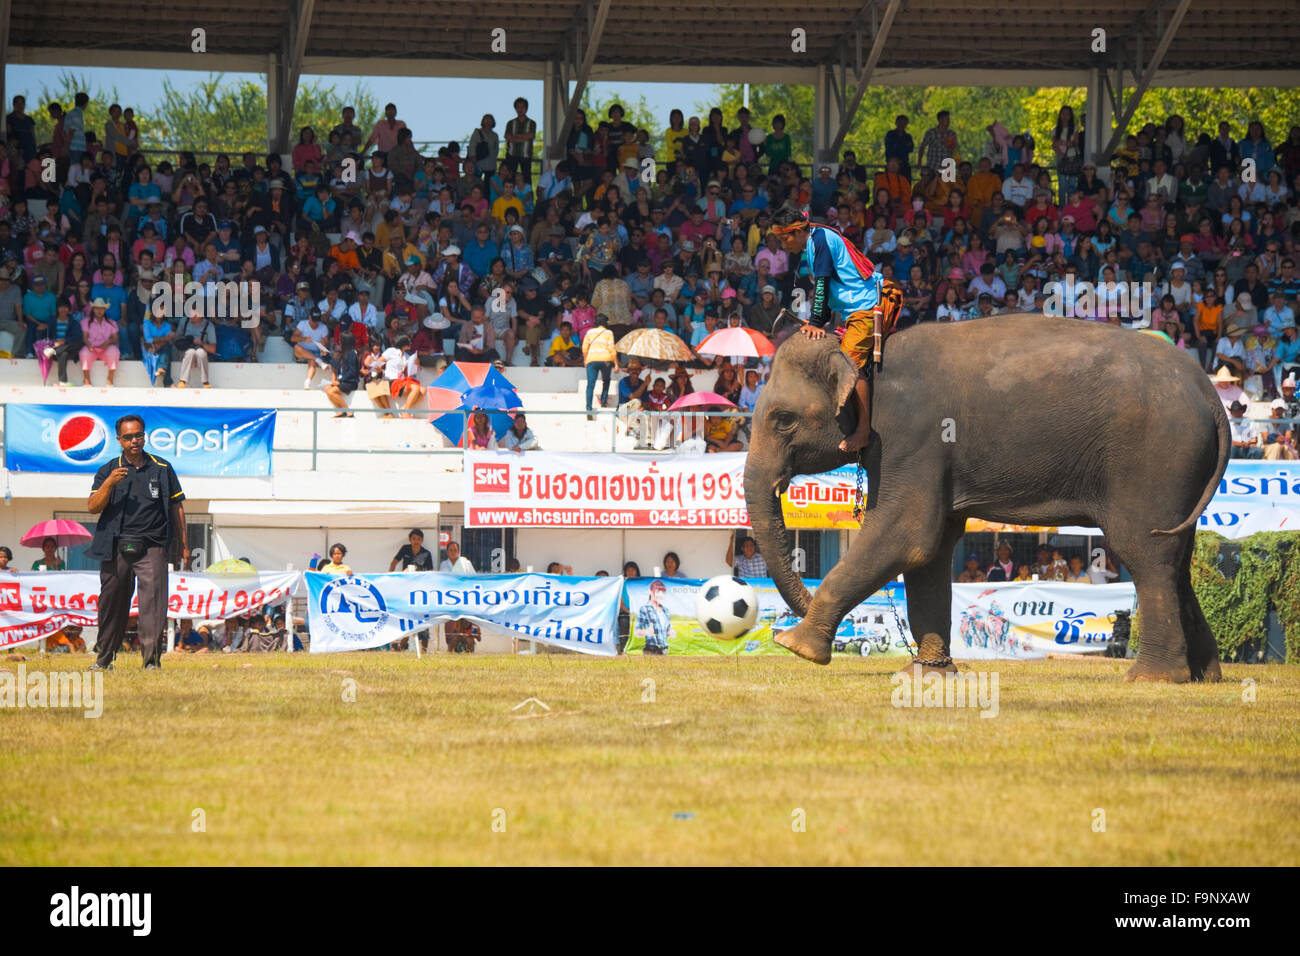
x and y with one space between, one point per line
140 499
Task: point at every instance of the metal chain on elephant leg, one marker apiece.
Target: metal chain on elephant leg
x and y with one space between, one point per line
942 660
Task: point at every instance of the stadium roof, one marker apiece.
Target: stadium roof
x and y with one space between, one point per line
847 45
925 34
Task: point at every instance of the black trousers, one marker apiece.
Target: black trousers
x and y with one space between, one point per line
117 580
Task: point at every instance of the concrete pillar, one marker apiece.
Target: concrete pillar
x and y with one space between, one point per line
273 83
554 102
4 59
1099 117
827 116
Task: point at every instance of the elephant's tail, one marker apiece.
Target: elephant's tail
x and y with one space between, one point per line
1225 449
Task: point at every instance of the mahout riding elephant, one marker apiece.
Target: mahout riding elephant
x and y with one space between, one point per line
1025 419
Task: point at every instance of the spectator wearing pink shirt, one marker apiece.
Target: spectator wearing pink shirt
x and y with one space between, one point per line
100 335
384 133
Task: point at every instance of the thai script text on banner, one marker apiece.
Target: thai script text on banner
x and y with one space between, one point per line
78 439
369 610
36 604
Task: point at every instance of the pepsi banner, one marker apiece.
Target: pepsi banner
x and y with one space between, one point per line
78 439
354 612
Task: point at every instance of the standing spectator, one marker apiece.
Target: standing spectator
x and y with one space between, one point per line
49 559
6 556
936 144
898 146
484 144
139 500
413 554
972 574
749 563
336 566
455 562
1003 568
520 133
599 356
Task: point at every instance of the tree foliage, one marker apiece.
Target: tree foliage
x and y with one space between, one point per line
215 114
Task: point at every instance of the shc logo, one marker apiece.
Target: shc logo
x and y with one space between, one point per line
491 477
11 597
81 438
353 608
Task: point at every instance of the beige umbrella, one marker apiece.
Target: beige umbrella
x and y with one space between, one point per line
658 344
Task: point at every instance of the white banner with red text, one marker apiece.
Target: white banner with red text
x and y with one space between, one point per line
39 603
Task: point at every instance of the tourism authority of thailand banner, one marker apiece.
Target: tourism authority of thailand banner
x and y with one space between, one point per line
213 442
870 628
1004 620
36 604
369 610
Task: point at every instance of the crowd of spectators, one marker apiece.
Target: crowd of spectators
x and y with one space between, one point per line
1051 564
421 258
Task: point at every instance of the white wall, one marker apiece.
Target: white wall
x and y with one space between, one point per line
369 549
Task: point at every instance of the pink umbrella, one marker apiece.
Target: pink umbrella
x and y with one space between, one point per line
44 361
737 341
698 399
64 533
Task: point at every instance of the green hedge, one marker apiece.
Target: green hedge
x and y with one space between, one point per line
1237 609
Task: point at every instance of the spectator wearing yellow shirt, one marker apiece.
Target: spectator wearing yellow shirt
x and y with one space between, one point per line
980 189
599 355
507 200
673 136
565 350
335 566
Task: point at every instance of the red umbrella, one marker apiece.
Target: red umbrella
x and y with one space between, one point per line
698 399
737 341
64 533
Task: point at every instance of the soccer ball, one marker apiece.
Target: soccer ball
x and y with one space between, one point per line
727 607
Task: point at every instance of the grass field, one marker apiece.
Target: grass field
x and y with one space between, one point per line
710 772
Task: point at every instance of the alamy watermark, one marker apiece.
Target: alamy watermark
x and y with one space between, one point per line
217 299
934 689
1099 300
44 689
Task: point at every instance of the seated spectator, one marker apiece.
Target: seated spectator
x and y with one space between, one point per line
1246 436
1077 573
6 556
100 334
479 434
157 337
720 434
565 350
401 368
520 437
477 339
196 342
310 338
347 375
412 556
672 566
372 367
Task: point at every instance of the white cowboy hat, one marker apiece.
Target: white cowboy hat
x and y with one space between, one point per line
1223 376
436 321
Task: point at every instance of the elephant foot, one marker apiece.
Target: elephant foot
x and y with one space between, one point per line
1172 674
931 657
1208 673
807 645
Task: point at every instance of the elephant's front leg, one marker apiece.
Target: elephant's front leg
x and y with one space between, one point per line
888 544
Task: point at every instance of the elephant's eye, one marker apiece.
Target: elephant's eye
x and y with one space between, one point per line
784 421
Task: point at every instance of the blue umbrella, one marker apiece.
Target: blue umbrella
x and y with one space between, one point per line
464 386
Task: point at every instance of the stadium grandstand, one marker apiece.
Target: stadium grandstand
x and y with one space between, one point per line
361 266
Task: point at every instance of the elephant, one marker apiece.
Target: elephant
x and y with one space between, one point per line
1019 418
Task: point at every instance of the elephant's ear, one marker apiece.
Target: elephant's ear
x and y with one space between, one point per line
843 377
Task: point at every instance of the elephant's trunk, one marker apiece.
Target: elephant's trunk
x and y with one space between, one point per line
763 486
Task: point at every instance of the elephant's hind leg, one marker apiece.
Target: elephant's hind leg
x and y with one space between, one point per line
929 604
1202 649
1157 567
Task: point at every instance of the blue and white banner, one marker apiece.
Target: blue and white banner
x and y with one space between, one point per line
370 610
78 439
1254 496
